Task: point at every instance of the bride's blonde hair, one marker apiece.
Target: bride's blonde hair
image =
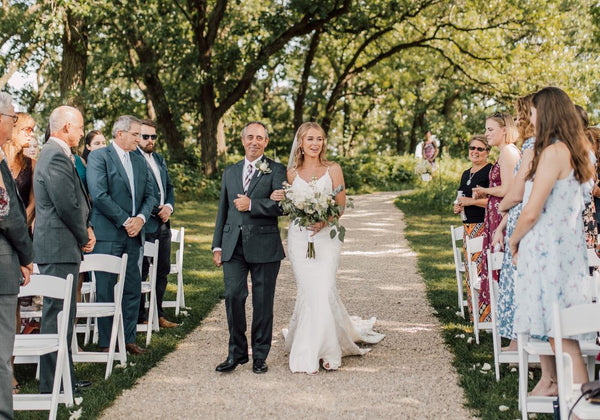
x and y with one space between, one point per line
297 153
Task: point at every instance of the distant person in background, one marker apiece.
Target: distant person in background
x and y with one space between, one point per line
594 133
93 140
589 214
15 257
33 150
430 150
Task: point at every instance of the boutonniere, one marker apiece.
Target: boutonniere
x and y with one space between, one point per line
263 167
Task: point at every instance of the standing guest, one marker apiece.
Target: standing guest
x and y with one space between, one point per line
159 225
500 131
93 140
32 150
16 255
62 230
589 214
246 239
548 243
473 208
122 194
512 203
594 134
21 166
430 150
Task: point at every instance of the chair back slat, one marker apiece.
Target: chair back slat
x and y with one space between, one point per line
579 319
44 285
101 262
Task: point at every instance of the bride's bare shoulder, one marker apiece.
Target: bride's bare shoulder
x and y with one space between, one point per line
333 167
291 174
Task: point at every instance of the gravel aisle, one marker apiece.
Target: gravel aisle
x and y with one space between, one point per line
407 375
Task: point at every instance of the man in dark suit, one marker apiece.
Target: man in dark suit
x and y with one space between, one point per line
122 195
246 239
16 255
159 225
62 230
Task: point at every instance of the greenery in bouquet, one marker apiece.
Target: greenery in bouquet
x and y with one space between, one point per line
305 208
423 167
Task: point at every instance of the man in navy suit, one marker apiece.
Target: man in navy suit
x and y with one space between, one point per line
16 255
159 225
122 195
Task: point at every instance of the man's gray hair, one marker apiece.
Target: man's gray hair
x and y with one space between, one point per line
61 116
6 102
123 123
257 123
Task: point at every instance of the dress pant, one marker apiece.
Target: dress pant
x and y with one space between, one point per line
235 276
50 322
8 319
163 234
132 288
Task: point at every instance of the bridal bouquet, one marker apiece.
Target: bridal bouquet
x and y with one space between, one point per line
306 208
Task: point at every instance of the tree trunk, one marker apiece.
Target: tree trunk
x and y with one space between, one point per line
74 60
209 128
308 61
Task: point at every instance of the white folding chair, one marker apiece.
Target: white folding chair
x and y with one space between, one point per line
177 237
459 266
149 288
475 245
32 346
529 348
576 320
114 265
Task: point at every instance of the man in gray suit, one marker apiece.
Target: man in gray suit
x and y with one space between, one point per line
62 230
16 255
122 192
246 239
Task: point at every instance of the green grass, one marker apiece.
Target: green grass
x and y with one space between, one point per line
203 286
428 232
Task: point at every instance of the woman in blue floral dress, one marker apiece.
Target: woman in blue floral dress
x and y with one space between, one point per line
548 243
513 204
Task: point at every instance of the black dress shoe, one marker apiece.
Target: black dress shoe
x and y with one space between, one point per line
259 366
82 384
231 363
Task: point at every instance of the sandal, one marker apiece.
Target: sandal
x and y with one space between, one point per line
16 389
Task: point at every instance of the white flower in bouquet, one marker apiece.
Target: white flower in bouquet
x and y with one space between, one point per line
305 208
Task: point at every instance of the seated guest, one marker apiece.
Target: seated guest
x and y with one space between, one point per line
474 209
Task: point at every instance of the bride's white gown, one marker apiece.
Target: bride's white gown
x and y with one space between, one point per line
320 327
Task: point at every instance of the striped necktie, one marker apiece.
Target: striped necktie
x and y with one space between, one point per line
248 177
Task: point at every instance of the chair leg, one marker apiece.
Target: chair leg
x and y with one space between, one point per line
523 375
180 293
475 304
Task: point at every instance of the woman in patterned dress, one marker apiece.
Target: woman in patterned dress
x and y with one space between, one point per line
474 209
548 243
500 131
511 205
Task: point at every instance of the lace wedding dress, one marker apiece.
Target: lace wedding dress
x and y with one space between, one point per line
320 327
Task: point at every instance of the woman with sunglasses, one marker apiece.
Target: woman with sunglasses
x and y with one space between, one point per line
511 205
500 131
474 209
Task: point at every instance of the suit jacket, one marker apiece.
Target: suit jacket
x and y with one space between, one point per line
153 223
15 244
111 194
259 229
62 208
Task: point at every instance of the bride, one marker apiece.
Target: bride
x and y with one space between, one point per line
320 330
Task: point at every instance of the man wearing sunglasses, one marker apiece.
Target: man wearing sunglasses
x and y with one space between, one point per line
159 225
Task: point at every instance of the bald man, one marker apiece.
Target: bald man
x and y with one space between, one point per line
62 230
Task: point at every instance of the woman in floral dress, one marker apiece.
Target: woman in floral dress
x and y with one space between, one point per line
548 243
513 204
500 131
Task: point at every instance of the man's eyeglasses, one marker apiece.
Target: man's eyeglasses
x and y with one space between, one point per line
479 149
149 136
14 117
